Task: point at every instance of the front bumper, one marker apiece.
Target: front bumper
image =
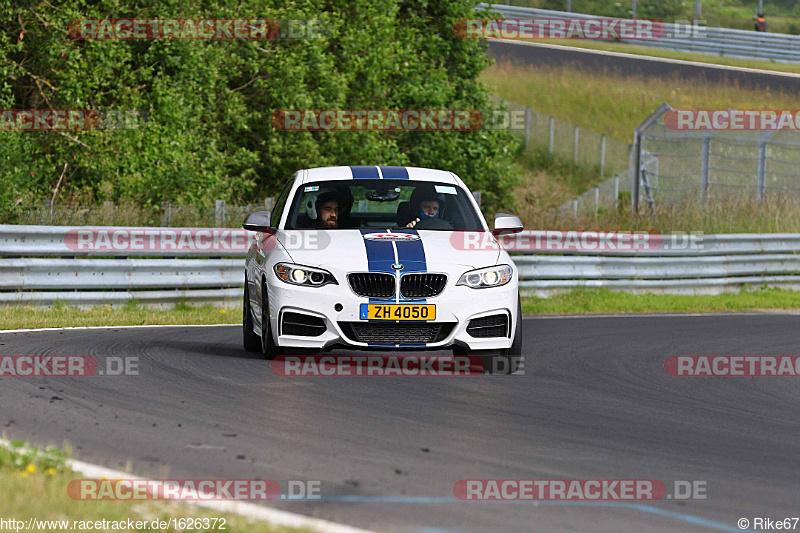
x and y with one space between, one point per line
455 307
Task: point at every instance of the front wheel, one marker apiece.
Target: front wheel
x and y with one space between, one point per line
252 342
269 349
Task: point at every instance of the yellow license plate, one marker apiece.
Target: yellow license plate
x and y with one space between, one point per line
398 312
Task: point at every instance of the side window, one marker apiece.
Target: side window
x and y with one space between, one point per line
277 211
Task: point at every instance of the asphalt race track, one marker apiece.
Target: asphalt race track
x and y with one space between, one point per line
595 403
537 54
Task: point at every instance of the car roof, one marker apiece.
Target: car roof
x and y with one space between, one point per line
347 173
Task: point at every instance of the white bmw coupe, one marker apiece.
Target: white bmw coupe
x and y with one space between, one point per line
381 258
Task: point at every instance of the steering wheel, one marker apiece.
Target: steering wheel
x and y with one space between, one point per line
433 223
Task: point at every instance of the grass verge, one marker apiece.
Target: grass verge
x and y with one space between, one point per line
131 314
573 302
34 485
604 301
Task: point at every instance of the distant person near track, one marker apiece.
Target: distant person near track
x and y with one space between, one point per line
761 23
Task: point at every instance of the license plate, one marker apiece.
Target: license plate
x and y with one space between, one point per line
398 312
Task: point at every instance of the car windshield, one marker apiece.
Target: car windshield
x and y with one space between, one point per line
387 204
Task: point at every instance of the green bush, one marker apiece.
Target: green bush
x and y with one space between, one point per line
208 133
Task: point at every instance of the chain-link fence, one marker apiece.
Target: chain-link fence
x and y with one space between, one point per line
110 214
677 166
568 141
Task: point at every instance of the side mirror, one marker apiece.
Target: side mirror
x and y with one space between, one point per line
258 221
505 223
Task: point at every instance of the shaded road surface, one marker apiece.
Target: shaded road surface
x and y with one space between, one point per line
595 402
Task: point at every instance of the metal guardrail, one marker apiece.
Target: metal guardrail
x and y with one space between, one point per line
727 42
37 267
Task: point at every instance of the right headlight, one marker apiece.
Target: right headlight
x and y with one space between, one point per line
484 278
303 275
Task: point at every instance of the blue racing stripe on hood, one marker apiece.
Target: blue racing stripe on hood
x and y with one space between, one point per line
411 254
394 173
380 257
365 173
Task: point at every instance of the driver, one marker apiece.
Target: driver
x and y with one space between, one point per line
428 208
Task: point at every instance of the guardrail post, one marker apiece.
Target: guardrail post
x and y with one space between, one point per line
219 214
527 128
577 133
552 133
705 166
602 154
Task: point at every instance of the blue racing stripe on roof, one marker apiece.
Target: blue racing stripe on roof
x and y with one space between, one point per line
365 173
394 173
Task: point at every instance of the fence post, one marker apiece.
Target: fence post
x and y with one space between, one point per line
552 133
577 133
575 208
616 192
761 184
269 205
477 196
602 154
527 128
705 166
219 214
596 200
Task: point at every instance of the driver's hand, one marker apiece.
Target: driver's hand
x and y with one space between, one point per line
412 223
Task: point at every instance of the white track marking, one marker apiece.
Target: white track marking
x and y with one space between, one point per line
244 509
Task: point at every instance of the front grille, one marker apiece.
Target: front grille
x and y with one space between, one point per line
422 285
397 333
302 325
372 285
488 326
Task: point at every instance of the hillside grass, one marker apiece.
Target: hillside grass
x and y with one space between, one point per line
613 103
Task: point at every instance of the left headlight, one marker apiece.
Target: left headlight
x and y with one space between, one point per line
484 278
303 275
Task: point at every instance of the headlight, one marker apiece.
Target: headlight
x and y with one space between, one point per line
303 275
484 278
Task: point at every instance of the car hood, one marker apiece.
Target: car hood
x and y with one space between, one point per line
417 251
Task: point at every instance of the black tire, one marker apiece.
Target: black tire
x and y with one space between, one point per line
252 342
268 347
